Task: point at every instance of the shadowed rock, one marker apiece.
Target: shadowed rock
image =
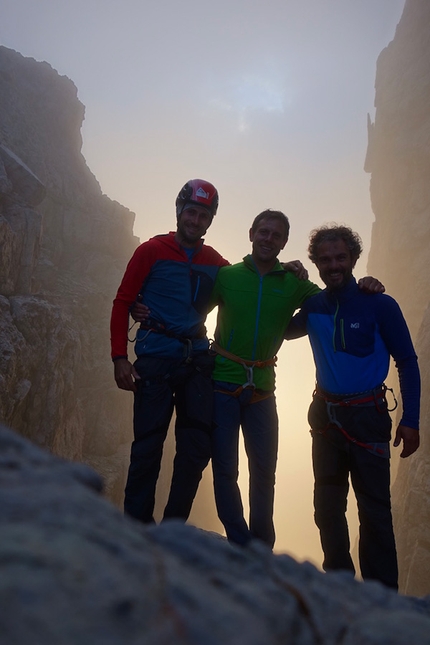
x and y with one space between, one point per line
75 570
23 181
61 264
64 246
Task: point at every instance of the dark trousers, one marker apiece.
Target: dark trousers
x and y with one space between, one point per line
259 423
166 385
335 459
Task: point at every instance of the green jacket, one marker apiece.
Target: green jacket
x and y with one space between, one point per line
253 313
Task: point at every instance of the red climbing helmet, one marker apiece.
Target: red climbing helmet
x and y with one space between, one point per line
198 191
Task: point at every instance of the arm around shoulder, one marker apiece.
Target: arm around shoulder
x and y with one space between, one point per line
296 328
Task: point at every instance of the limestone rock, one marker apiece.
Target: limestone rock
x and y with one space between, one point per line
22 180
5 182
75 570
64 247
399 161
63 258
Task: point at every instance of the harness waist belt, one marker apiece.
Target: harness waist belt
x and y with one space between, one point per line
270 362
360 398
159 328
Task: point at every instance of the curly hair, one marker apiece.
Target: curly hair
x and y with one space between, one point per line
332 233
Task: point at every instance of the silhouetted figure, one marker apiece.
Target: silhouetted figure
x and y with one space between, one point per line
353 336
173 276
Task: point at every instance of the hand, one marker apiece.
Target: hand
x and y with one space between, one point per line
411 440
125 374
139 312
296 267
371 285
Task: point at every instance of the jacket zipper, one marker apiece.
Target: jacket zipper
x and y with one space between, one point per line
341 329
257 321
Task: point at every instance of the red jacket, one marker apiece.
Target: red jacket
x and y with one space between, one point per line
175 289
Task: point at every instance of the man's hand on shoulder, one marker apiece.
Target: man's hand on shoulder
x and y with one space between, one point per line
371 285
296 267
125 374
411 440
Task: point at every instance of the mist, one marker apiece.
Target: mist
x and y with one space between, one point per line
267 100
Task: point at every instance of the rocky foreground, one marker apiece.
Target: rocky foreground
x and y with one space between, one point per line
74 570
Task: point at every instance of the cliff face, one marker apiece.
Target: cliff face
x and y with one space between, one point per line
398 159
64 246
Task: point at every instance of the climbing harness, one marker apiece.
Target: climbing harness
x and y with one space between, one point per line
248 366
154 326
375 397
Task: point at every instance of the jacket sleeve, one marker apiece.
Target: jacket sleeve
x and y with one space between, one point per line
215 297
297 325
307 290
395 334
410 388
135 274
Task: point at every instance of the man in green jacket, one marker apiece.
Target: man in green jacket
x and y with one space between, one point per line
256 300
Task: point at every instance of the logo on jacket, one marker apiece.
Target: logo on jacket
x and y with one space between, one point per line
355 325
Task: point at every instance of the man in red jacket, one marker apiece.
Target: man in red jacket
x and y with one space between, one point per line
173 276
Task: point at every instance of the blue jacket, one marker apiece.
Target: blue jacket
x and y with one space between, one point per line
175 288
353 335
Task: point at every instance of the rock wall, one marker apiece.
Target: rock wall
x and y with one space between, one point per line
398 159
64 246
73 570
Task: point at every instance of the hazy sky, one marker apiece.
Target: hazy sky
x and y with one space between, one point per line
267 99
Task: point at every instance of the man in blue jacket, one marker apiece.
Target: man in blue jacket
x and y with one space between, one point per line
353 336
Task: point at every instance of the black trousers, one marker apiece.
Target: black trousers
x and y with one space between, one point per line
259 423
166 385
335 459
